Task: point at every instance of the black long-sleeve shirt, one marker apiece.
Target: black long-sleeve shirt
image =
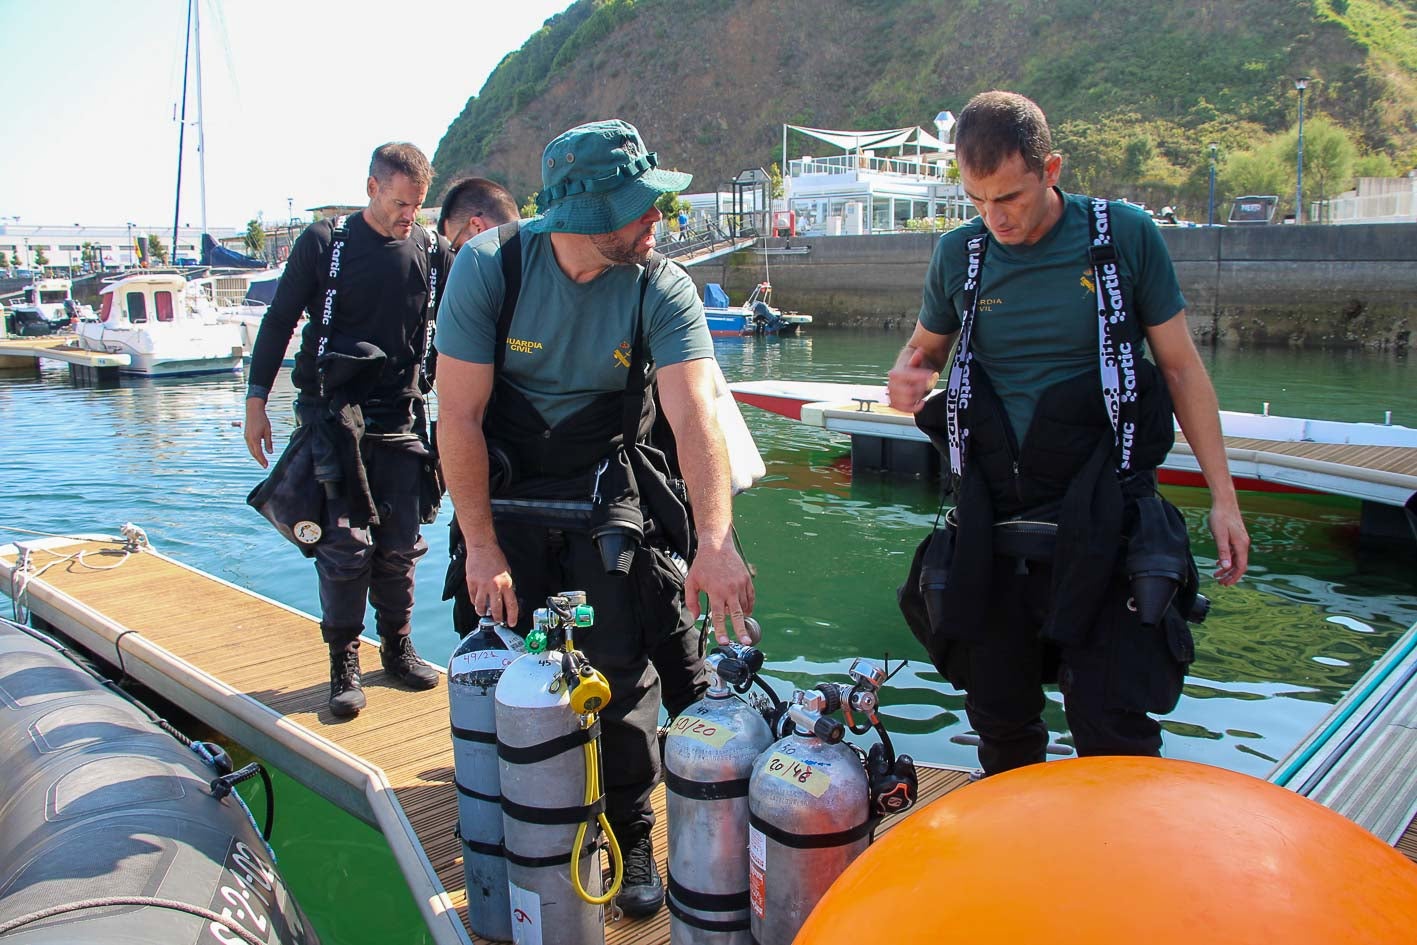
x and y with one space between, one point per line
382 299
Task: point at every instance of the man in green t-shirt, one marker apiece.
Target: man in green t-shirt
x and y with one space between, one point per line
546 390
1034 431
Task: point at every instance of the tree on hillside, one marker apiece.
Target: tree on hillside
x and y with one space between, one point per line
528 207
1328 158
1377 164
157 251
4 261
255 238
41 259
1261 171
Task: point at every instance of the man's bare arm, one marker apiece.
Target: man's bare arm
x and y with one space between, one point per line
686 393
1199 414
464 390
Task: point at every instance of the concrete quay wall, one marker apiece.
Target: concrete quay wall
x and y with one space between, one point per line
1308 287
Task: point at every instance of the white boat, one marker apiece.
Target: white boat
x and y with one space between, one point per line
165 324
49 299
242 297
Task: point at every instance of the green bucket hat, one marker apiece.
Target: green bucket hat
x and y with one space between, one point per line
598 177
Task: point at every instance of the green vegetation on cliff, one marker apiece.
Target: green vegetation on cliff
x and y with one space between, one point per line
1136 91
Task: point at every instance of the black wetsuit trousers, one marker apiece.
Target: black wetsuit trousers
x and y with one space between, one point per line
372 564
635 616
1110 680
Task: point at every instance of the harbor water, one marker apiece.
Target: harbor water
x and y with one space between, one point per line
829 547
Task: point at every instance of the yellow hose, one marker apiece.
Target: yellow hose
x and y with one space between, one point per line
591 750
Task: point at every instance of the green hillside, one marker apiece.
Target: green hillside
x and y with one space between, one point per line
1136 92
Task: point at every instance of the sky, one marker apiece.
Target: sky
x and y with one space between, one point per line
296 94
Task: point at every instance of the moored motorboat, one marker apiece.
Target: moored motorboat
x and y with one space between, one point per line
113 830
756 316
165 324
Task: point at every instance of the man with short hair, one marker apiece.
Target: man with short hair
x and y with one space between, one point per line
1060 561
369 283
559 384
472 205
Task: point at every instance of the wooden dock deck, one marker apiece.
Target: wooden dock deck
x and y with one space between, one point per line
257 671
86 367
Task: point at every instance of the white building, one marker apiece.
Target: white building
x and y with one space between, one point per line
880 182
63 246
1375 200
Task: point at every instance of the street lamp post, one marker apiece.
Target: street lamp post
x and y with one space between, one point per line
1210 216
1300 84
131 255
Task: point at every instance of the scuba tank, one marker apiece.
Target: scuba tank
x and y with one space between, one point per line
548 760
473 671
709 752
814 801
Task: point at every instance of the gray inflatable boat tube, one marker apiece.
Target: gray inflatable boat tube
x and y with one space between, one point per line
109 829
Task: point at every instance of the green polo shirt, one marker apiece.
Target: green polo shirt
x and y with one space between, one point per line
569 342
1036 323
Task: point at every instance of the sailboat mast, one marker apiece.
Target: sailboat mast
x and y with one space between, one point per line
201 129
182 127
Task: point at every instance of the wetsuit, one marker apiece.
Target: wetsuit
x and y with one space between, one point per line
383 299
558 408
1023 605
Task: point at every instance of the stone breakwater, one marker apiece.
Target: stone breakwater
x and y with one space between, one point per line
1304 287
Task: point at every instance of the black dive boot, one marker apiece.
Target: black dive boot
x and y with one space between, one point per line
642 892
346 693
401 662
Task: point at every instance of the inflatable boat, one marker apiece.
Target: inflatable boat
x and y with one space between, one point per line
116 829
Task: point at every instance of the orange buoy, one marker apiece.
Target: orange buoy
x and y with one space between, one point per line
1122 850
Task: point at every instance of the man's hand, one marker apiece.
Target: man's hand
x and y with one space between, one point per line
720 574
1232 543
489 584
258 431
911 380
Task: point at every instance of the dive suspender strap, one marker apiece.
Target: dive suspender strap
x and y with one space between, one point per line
427 359
959 392
1116 330
509 242
811 841
331 282
681 898
1117 347
635 384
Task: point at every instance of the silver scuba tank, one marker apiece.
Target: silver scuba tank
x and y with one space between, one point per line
473 671
813 803
709 752
542 768
809 816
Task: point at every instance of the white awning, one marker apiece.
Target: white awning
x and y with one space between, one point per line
850 141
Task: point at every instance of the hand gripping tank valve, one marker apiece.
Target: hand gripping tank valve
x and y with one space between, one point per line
548 759
814 801
709 752
474 670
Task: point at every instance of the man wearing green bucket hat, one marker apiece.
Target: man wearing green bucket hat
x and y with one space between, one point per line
564 344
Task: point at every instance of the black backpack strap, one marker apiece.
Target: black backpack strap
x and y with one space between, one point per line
509 241
1118 336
